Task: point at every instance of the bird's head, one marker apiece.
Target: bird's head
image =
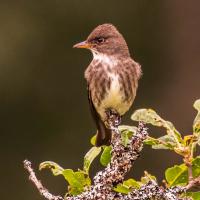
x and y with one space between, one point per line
105 39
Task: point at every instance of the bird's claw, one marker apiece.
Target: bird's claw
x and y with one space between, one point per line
113 119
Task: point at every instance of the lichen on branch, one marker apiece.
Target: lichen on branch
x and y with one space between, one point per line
126 146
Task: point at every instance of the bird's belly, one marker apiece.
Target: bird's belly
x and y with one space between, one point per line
114 99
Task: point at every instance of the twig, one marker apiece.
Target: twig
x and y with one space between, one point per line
195 182
190 176
42 190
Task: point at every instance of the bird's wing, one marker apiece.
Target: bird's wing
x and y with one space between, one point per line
103 133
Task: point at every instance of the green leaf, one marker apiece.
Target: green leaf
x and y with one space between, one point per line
132 183
194 195
131 129
77 181
151 117
151 141
189 140
196 123
126 186
148 116
83 178
106 156
54 167
165 142
71 178
93 140
196 167
177 175
147 177
89 157
125 138
126 133
122 189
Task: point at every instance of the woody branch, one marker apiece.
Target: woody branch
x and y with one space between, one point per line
121 162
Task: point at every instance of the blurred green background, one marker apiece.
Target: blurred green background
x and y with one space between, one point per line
43 99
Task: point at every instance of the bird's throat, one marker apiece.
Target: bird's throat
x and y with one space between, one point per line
106 60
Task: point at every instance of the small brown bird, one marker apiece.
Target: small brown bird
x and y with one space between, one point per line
112 77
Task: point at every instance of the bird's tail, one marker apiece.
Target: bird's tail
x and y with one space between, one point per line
104 134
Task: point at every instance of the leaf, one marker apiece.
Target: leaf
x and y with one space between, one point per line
89 157
77 181
194 195
126 186
196 167
147 177
126 133
197 105
83 178
196 123
178 175
148 116
125 138
120 188
188 140
151 141
165 142
151 117
93 140
71 178
106 156
132 183
131 129
55 168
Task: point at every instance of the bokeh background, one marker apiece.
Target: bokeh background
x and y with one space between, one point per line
43 100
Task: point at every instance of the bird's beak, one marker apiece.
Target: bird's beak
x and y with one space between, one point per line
83 44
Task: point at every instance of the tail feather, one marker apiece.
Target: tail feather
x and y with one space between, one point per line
104 134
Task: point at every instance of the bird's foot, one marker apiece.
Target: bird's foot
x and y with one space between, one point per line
113 118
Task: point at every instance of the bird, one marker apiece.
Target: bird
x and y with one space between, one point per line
112 78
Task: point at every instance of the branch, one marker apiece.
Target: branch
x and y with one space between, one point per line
42 190
122 160
193 183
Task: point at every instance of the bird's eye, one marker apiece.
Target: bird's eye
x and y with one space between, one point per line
99 40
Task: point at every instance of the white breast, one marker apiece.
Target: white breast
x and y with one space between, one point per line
114 98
